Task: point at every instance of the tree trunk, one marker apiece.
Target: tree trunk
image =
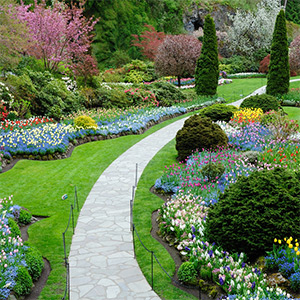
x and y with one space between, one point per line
178 77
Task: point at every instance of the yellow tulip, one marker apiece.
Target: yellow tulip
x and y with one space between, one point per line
275 240
291 238
290 246
288 241
297 244
296 249
285 239
279 241
298 253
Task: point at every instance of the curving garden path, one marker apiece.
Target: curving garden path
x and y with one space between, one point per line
102 263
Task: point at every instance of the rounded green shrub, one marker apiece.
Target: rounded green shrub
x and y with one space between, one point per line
24 217
186 272
34 261
254 210
23 282
264 101
166 93
85 122
219 112
213 170
14 228
199 133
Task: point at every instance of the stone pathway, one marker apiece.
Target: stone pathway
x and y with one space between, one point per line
102 264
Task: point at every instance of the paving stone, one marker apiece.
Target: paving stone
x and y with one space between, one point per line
102 250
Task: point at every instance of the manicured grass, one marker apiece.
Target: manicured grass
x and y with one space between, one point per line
293 112
39 186
144 204
240 88
295 84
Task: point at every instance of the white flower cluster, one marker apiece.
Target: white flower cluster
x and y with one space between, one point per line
70 84
6 98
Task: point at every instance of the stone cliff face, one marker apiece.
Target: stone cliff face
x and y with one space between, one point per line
193 18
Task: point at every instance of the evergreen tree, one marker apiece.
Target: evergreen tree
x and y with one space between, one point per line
279 70
207 69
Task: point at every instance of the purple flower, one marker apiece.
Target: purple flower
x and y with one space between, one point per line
221 280
253 285
187 249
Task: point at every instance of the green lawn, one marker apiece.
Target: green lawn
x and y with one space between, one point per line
293 112
39 186
295 84
240 88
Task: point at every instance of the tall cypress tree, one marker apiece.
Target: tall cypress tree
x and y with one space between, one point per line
279 68
207 69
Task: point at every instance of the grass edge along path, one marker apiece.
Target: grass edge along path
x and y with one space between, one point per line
39 185
144 204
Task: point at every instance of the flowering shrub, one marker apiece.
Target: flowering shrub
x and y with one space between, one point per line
139 96
6 98
70 84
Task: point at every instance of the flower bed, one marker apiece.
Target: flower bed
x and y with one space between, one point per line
12 249
51 138
183 218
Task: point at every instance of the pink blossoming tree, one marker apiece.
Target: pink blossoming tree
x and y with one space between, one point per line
60 33
177 56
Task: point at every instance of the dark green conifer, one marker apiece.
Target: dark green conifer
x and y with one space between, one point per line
279 69
207 69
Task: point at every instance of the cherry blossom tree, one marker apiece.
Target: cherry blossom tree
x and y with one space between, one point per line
149 41
177 56
59 32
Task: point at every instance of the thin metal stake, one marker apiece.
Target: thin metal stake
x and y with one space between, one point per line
152 268
76 198
73 225
133 240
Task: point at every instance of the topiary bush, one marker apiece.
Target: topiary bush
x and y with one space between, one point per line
34 262
212 170
14 228
186 272
85 122
24 217
254 210
23 282
199 133
219 112
264 101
